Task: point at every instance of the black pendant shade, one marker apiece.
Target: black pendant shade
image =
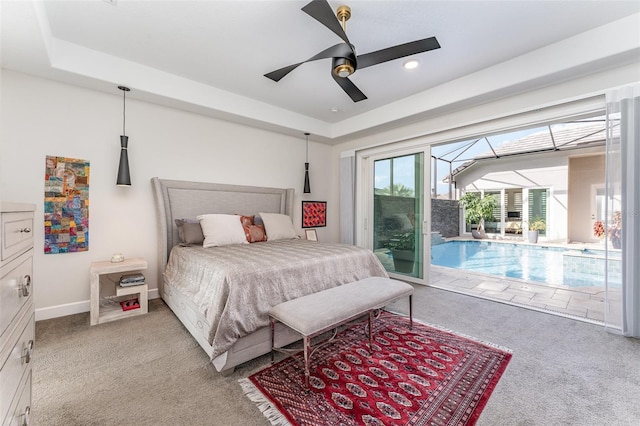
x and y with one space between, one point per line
307 185
124 176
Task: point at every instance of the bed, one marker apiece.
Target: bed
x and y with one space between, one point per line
222 295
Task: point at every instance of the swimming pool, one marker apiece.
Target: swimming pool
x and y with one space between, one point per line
550 265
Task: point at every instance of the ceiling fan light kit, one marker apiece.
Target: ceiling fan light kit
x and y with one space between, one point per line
342 67
345 62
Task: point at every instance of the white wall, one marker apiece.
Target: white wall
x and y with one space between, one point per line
42 117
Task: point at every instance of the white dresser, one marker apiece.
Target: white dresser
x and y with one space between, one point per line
17 322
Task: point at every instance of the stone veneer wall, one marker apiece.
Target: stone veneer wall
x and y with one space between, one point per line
445 217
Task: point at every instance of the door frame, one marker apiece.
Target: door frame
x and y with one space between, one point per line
365 161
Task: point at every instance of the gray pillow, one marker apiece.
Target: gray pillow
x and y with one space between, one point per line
190 232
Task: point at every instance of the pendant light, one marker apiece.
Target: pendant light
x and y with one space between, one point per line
124 177
307 186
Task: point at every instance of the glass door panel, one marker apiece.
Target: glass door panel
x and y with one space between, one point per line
538 210
398 213
493 225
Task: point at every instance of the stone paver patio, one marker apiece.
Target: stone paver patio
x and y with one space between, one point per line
584 303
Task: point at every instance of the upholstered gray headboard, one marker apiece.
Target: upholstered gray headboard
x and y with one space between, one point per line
177 199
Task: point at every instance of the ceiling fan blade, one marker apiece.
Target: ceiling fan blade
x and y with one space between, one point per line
338 50
350 89
322 12
278 74
399 51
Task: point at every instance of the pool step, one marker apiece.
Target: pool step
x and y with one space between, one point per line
436 238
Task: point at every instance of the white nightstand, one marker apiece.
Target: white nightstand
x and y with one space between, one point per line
107 274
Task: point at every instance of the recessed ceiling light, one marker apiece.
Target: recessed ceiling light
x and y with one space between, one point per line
410 64
335 109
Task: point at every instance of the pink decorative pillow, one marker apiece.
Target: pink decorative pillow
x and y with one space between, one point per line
254 233
246 220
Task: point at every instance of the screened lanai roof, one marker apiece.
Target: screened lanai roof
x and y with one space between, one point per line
554 137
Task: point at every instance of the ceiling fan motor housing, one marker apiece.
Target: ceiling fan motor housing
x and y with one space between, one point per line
342 67
345 62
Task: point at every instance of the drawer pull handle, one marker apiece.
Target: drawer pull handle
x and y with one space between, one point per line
25 230
26 417
26 358
25 287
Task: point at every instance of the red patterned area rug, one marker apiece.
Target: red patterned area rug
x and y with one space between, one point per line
419 376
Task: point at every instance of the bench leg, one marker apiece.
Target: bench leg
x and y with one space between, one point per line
411 311
371 332
307 353
272 324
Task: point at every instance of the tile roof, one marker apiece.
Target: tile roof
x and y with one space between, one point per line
556 137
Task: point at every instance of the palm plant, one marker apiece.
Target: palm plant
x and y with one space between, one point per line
398 190
477 209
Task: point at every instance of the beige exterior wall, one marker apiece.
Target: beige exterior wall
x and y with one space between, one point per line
570 177
586 174
534 171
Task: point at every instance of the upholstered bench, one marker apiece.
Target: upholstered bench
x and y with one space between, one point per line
318 313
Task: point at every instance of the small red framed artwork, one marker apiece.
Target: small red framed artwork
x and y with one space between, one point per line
314 214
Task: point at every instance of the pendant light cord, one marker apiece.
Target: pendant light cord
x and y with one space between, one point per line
124 108
307 151
124 112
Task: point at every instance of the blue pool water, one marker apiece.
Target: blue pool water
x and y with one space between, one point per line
550 265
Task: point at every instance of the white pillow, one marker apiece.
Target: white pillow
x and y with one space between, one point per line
222 230
278 226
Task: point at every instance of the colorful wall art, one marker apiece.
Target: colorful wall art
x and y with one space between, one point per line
314 214
66 205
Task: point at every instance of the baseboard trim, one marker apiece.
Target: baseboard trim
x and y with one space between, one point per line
57 311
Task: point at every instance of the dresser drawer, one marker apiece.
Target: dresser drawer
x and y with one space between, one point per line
15 289
16 364
20 412
17 233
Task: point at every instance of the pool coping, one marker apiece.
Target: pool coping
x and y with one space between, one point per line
580 303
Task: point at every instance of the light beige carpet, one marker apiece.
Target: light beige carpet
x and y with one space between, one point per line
148 370
144 370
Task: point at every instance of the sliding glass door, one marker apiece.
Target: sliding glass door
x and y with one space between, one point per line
397 213
538 210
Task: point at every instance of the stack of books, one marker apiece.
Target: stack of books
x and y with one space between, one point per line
131 280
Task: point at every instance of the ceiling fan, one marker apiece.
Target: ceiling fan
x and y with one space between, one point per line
345 60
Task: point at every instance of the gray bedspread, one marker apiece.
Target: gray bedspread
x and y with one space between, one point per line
235 286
